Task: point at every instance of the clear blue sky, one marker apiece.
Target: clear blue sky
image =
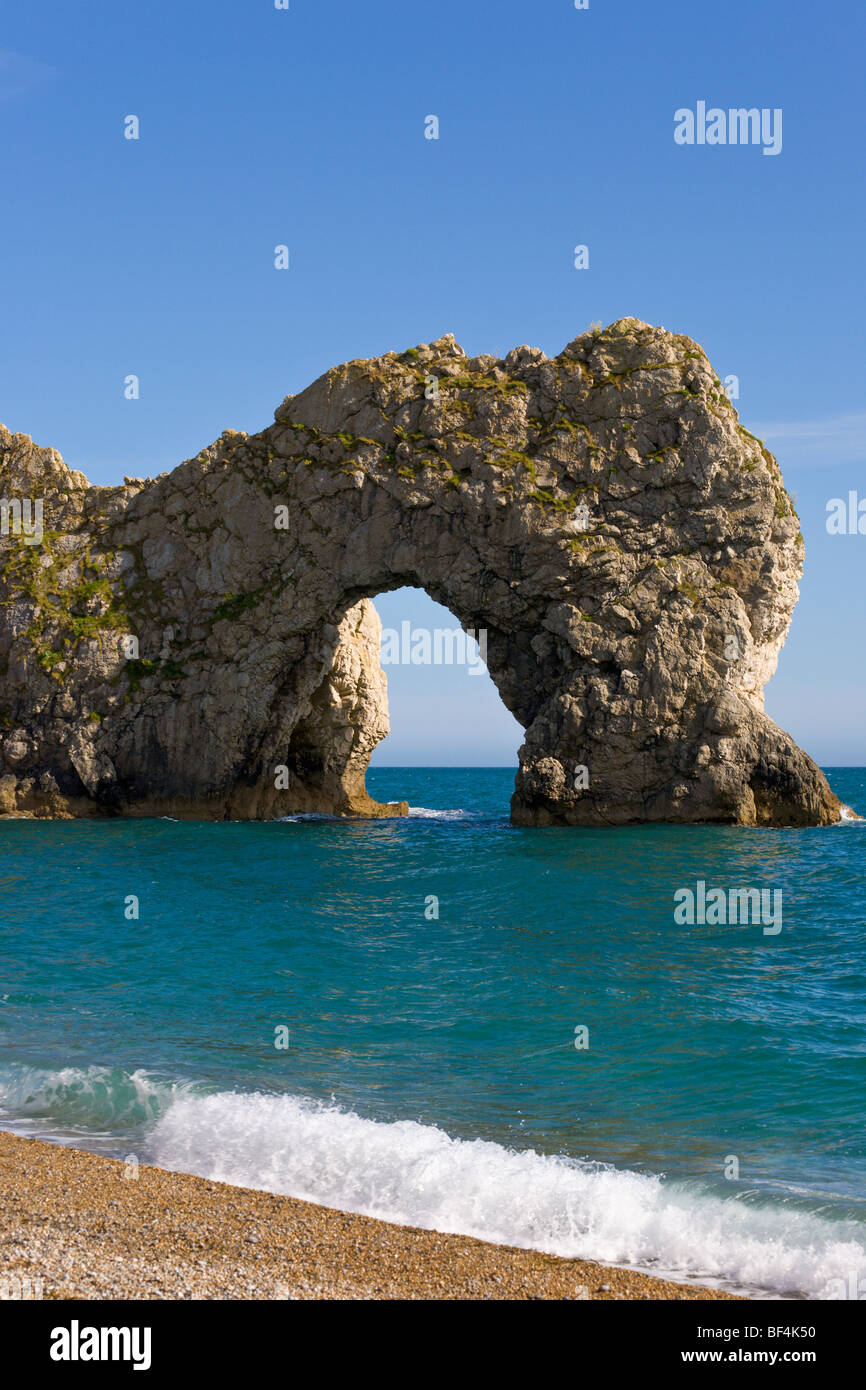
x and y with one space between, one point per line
306 127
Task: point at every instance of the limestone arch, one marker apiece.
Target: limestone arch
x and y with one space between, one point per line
601 514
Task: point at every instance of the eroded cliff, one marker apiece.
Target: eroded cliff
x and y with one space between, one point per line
202 643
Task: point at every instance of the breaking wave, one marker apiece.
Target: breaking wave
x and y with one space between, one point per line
775 1243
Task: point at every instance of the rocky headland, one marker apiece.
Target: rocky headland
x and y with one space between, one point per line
202 644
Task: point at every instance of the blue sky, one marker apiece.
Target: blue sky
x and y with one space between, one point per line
306 127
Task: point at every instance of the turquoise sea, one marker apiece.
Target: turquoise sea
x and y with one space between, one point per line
711 1127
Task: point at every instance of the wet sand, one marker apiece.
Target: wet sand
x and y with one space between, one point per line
76 1221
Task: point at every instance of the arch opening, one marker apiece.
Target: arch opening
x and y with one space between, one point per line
444 705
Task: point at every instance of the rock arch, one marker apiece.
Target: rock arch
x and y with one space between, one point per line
628 547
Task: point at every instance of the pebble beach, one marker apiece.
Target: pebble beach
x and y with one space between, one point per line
78 1222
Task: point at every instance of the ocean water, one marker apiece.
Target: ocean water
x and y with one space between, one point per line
432 973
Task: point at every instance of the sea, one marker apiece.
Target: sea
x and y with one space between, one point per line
454 1023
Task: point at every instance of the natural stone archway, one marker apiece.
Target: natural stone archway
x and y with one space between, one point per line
627 546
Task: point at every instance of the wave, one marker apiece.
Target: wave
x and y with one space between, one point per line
81 1100
418 812
416 1174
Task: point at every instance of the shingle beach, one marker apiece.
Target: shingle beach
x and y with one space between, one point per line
75 1220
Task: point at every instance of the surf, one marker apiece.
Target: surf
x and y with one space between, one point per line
766 1243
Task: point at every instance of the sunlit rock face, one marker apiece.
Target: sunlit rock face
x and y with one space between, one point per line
202 644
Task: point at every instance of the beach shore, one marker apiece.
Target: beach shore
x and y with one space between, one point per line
78 1222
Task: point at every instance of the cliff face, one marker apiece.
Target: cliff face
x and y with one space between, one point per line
627 546
88 729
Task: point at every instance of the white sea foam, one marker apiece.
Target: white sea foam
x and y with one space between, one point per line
416 1174
421 812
